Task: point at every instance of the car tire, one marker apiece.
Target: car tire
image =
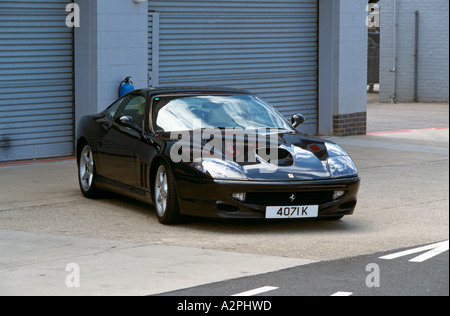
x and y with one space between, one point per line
87 173
165 196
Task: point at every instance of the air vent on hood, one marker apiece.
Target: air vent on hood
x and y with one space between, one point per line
276 156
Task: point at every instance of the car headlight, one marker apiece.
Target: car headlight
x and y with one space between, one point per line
342 166
220 169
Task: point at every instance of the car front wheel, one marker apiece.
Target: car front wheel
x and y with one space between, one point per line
165 196
86 173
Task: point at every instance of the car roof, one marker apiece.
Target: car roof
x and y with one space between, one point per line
192 90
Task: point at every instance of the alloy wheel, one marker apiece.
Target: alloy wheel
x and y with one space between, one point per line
86 168
161 191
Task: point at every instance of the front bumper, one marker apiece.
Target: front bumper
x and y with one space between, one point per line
214 199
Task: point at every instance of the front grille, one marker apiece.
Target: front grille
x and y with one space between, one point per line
285 198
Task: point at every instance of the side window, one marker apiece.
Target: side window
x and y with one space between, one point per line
111 111
133 106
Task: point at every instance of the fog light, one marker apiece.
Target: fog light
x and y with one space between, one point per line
338 194
239 196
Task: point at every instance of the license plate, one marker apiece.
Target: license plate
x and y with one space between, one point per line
286 212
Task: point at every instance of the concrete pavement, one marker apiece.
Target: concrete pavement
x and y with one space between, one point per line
40 264
384 117
121 248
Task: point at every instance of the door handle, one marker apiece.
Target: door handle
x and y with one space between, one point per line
150 141
106 126
104 123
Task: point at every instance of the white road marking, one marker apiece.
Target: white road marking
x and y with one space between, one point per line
261 290
432 251
343 294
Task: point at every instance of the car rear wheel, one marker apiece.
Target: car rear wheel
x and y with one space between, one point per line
165 196
86 173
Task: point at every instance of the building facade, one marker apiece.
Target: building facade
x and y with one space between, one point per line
414 50
303 56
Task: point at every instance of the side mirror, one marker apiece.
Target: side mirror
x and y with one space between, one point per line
297 120
127 121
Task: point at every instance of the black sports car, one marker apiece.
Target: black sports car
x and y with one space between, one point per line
208 152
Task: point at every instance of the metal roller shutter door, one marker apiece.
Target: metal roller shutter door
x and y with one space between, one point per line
264 46
36 80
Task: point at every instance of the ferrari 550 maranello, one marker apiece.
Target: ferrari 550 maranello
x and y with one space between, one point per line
217 153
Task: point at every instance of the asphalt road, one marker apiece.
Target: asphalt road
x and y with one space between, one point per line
367 275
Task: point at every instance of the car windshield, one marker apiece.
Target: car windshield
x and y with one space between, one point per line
182 113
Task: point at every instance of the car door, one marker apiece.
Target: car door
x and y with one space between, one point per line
117 148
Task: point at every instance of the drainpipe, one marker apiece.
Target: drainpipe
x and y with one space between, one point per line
394 69
416 58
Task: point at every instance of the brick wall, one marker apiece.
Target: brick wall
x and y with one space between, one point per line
350 124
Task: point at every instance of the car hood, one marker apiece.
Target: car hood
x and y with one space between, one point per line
300 157
281 156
